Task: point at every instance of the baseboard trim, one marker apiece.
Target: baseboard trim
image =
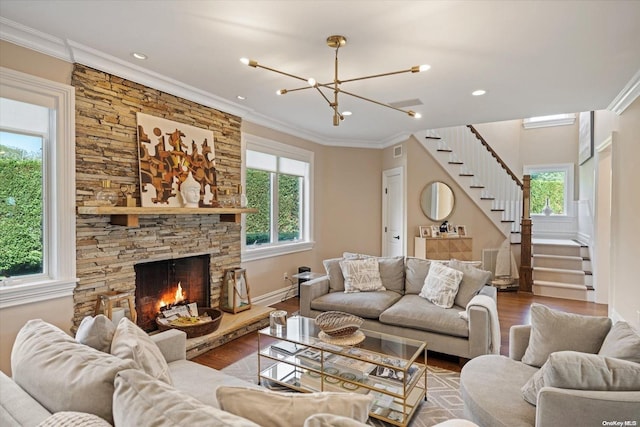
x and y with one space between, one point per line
276 296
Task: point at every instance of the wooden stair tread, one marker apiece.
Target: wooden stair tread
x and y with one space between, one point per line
444 150
456 163
466 174
477 186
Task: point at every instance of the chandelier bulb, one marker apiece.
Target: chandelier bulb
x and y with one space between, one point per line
420 68
312 82
414 114
281 92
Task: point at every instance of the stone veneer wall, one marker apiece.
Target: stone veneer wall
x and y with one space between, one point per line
106 148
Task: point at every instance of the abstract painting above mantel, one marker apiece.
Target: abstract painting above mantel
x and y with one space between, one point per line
168 152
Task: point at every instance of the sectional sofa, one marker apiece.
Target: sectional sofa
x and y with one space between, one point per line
467 329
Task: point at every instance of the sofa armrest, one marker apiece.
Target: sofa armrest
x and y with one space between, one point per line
489 291
479 331
557 407
311 290
518 341
172 344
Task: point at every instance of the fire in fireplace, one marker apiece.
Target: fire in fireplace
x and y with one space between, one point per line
163 283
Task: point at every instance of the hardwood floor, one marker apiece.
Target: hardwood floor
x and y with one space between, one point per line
513 309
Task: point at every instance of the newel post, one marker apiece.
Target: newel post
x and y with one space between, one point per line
526 272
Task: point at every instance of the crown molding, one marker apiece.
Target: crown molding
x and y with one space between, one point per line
628 94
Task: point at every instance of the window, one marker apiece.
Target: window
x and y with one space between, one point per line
278 184
37 189
553 183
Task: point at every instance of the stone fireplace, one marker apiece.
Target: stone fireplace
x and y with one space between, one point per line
106 148
163 283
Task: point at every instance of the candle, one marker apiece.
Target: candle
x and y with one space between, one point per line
117 314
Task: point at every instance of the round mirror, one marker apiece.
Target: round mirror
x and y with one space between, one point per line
437 201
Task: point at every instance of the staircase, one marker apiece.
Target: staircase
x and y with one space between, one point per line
471 162
562 269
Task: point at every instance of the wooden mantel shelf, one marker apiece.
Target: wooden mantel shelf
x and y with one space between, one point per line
128 216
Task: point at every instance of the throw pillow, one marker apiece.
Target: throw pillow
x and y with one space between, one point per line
330 420
96 332
336 280
583 371
392 273
70 419
416 270
361 275
132 343
140 400
275 409
441 285
622 342
473 280
553 330
45 362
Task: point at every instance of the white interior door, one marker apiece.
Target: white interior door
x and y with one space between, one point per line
393 213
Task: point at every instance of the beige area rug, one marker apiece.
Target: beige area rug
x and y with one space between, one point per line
443 393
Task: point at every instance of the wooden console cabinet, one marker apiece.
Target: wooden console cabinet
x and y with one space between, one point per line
444 248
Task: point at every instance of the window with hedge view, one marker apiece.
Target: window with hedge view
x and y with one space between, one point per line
553 183
22 248
275 186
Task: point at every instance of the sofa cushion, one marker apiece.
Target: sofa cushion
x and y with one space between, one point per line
553 330
186 373
441 285
131 342
364 304
583 371
416 270
96 332
45 361
488 403
330 420
141 400
473 279
622 342
412 311
336 279
361 275
276 409
392 273
71 419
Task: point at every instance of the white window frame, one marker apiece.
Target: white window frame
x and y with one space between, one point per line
59 195
256 143
567 168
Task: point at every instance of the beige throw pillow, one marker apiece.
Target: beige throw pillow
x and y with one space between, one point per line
583 371
275 409
140 400
131 342
71 419
473 280
45 361
96 332
553 330
622 342
441 285
361 275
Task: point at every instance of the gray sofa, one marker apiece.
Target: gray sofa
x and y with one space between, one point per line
575 388
400 311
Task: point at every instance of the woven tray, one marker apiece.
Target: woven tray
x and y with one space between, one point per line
198 329
338 323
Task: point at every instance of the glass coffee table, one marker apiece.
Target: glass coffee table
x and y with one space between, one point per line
382 365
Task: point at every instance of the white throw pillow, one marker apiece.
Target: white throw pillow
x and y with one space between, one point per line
71 419
361 275
441 285
140 400
275 409
96 332
131 342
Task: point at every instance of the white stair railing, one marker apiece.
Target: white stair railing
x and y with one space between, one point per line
480 167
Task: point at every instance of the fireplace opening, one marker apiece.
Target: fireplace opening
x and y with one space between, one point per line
166 282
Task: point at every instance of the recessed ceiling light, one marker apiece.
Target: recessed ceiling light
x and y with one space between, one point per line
241 98
347 113
139 55
478 92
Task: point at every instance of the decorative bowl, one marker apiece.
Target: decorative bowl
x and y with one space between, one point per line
338 323
198 329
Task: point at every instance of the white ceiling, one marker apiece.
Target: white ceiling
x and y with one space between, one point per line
532 57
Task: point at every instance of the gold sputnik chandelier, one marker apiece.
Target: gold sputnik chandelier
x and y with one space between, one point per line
337 42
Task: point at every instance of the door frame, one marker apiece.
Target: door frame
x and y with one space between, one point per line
400 170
